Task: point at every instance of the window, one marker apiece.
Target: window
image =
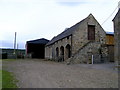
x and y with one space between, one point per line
91 32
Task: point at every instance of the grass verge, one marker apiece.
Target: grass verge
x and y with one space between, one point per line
8 59
8 80
0 79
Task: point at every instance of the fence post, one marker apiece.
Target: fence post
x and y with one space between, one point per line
92 59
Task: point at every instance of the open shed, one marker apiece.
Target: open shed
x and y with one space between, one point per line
36 48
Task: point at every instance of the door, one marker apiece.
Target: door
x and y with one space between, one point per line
111 53
91 32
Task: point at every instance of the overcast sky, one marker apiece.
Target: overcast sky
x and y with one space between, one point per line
35 19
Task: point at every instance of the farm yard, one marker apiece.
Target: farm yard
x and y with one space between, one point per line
39 73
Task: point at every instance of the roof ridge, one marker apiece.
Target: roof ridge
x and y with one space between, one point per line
39 41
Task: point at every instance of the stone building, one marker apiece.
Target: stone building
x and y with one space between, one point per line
82 43
116 22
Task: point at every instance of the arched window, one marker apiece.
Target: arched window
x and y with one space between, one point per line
68 51
62 53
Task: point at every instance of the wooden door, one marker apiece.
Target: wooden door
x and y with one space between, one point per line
91 32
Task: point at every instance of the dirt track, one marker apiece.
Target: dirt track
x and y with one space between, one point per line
48 74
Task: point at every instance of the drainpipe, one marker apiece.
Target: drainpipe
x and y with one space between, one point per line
71 46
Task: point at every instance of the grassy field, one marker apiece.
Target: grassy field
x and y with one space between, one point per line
7 79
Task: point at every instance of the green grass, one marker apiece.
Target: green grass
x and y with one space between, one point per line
8 80
0 79
8 59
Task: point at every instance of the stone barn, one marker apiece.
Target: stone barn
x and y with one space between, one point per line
116 22
81 43
36 48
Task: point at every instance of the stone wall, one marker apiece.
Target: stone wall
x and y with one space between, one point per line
84 54
10 53
80 36
104 53
50 51
116 21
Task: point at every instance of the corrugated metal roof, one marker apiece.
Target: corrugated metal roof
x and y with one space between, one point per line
65 33
38 41
112 33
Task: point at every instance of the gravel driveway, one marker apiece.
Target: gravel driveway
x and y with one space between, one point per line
36 73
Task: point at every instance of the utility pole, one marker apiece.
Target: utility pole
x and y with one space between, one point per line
17 51
15 45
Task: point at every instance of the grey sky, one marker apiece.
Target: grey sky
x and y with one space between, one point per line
34 19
